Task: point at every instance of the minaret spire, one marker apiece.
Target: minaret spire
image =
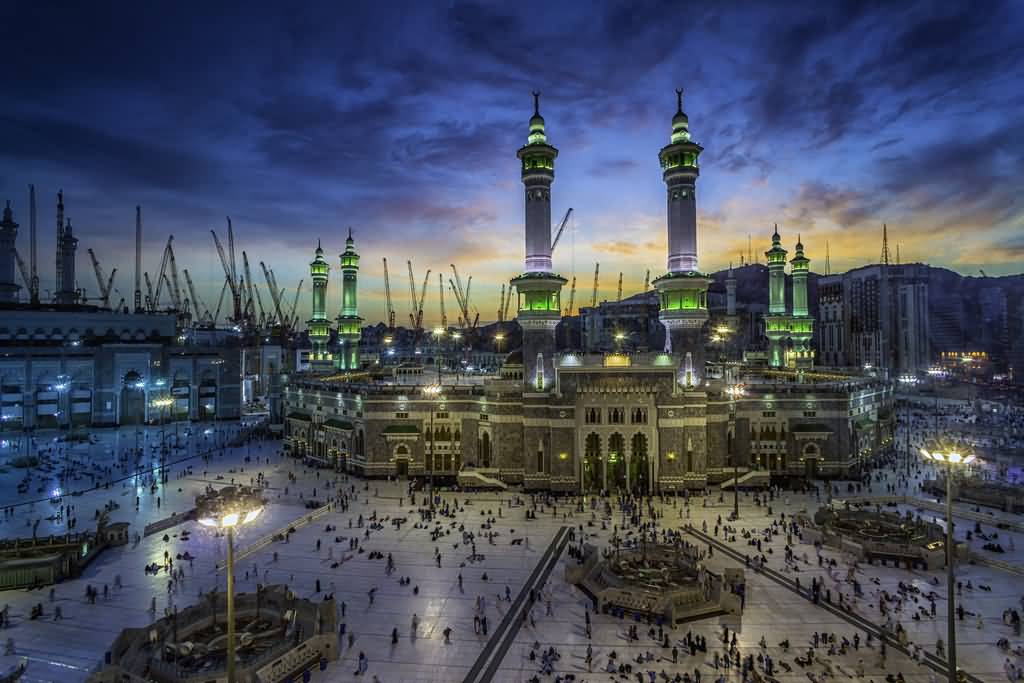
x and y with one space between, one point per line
679 100
536 102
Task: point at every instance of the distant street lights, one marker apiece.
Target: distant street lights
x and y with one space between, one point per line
433 392
235 513
950 457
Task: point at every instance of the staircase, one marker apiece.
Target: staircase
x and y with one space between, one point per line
754 479
479 478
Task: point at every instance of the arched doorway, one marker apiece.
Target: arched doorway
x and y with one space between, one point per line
133 399
485 450
811 454
593 471
617 462
402 460
639 465
181 392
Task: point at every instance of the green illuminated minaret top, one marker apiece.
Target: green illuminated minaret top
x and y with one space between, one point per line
318 327
349 322
776 275
799 269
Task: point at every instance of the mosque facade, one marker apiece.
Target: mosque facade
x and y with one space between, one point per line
563 420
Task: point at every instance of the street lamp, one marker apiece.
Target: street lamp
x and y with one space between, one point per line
162 403
234 513
734 391
433 392
950 458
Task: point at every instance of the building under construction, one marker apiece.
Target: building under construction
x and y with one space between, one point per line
70 362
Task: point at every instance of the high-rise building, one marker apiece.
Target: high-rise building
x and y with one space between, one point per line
876 316
539 287
349 322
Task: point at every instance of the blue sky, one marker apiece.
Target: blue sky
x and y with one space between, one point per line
402 121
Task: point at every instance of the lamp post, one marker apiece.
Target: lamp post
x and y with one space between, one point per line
734 391
949 457
236 513
433 392
162 403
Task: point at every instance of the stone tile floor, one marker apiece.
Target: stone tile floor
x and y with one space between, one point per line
66 650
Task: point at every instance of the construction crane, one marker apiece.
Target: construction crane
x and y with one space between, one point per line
561 227
160 276
387 294
572 297
501 304
220 301
104 283
149 293
259 304
175 285
647 280
593 297
423 297
444 316
619 295
168 281
412 297
23 268
33 284
249 287
198 307
292 318
508 302
236 296
274 294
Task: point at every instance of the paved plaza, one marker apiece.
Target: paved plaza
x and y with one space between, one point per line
513 557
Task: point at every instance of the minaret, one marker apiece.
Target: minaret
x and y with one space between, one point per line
319 328
801 324
67 244
682 291
349 323
730 293
540 307
8 237
776 322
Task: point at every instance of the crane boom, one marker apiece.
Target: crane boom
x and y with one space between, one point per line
508 302
593 297
423 297
163 269
501 304
23 268
220 301
412 297
175 285
295 304
572 297
444 316
248 282
387 294
561 227
619 295
102 281
197 303
272 286
149 293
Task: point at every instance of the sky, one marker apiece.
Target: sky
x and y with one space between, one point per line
402 121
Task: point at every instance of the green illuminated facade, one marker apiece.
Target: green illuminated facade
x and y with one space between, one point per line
789 333
683 290
349 322
540 306
318 327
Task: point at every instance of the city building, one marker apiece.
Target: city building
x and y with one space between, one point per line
617 417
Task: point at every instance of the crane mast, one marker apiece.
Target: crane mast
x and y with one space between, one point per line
33 284
593 297
295 304
149 293
412 297
423 297
572 297
619 294
444 316
387 294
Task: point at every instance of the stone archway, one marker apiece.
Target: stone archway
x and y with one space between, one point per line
132 400
485 450
617 474
639 465
593 465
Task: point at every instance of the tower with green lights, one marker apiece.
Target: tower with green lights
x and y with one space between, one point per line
349 322
318 327
682 291
801 324
539 288
776 323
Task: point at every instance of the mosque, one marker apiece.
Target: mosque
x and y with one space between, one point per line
572 421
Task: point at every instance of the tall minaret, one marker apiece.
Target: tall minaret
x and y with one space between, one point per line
67 244
8 237
319 328
776 322
730 293
539 288
349 323
682 291
801 325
